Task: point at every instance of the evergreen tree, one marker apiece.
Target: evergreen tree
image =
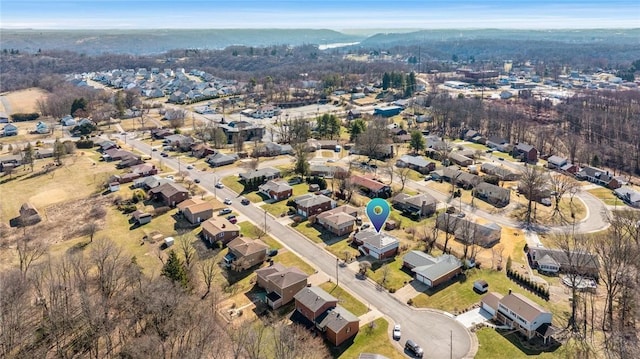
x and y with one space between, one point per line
58 150
417 141
78 104
28 156
174 269
302 164
386 81
357 127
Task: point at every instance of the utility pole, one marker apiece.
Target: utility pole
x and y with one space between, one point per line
337 278
451 344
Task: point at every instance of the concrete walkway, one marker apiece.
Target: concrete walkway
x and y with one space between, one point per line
473 317
369 317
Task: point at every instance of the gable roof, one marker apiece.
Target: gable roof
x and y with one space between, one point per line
168 189
523 306
337 318
265 272
276 186
492 299
524 147
580 259
344 209
314 297
263 172
417 200
216 225
310 200
368 183
417 161
431 267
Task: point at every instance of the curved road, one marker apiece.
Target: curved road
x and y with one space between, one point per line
433 330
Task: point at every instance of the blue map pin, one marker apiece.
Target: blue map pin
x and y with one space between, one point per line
378 211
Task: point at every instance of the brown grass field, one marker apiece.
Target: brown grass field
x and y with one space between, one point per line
24 101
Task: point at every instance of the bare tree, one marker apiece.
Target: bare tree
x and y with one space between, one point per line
90 229
532 182
559 186
294 341
14 312
209 270
403 175
185 245
29 250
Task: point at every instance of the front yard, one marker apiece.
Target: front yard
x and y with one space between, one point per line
493 344
370 339
346 300
390 275
606 195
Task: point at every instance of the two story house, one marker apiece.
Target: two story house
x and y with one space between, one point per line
195 210
280 283
312 204
379 245
169 193
245 253
219 229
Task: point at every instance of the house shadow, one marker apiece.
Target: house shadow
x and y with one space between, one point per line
337 351
460 278
234 276
533 346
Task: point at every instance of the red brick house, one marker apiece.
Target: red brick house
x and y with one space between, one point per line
525 152
311 204
280 283
276 190
245 253
379 245
219 229
372 187
339 221
169 193
321 308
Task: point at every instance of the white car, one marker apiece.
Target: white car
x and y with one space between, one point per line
219 185
227 201
396 332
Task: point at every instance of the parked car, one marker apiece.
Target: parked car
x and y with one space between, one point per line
189 167
244 201
231 216
414 348
427 178
227 201
365 226
396 332
197 180
154 149
224 211
272 252
219 185
164 154
233 220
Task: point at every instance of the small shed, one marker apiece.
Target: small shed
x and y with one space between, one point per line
114 186
481 286
314 187
169 241
141 217
390 225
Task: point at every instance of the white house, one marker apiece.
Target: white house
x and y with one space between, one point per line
519 313
68 120
378 245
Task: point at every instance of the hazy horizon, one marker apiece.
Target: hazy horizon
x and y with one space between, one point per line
357 16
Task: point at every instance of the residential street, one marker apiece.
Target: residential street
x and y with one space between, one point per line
431 329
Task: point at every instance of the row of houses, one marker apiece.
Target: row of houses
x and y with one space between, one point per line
12 130
490 193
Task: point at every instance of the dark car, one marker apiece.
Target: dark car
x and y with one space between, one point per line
414 348
272 252
245 201
197 180
231 216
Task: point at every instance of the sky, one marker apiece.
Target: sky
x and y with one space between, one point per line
326 14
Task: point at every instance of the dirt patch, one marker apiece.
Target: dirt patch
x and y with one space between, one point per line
62 221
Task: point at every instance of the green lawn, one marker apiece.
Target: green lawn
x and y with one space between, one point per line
493 344
233 184
306 229
460 295
606 195
371 340
280 207
286 258
396 277
347 301
340 247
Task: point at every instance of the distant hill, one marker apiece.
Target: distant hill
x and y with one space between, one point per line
138 42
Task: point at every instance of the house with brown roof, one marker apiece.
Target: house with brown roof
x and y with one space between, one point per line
219 229
519 313
328 171
501 172
321 309
372 187
460 160
169 193
280 283
144 169
201 150
339 221
379 245
29 215
339 325
277 190
195 210
245 253
312 204
420 205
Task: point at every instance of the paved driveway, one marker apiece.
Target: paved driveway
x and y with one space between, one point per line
473 317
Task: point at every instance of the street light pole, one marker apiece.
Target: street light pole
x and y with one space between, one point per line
337 278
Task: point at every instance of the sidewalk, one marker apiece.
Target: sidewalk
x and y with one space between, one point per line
369 317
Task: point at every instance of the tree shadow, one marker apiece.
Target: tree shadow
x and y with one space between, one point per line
533 346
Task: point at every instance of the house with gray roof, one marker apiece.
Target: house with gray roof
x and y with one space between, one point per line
495 195
379 245
598 176
629 196
556 162
280 283
276 190
417 163
503 173
467 231
420 205
431 270
220 159
525 152
267 173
